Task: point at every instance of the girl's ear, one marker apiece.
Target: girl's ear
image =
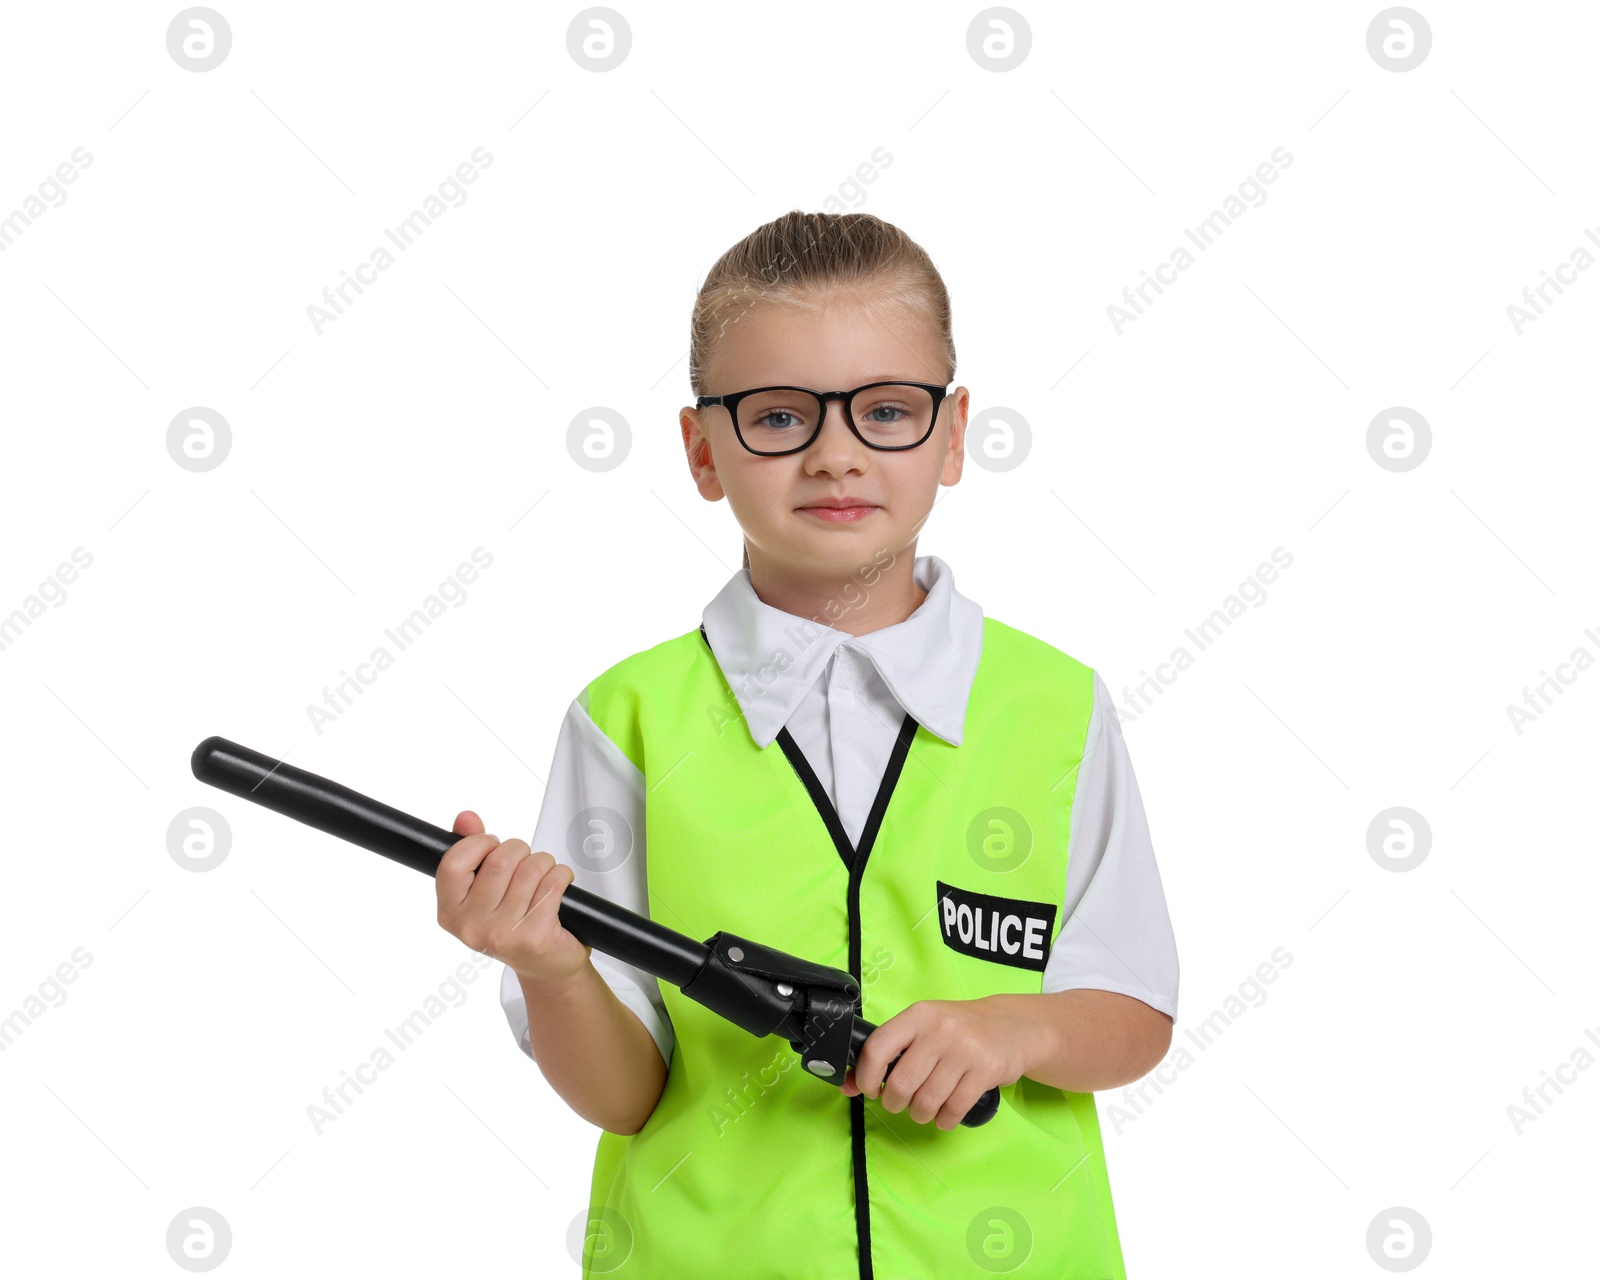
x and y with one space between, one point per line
697 450
694 438
955 450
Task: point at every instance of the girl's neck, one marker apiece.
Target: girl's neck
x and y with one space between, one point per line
845 604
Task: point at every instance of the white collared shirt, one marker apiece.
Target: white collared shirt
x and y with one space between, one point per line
842 698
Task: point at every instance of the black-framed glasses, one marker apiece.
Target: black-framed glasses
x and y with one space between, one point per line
883 415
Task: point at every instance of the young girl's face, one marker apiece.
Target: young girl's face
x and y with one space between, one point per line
834 346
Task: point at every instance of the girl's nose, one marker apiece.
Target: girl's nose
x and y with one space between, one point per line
836 441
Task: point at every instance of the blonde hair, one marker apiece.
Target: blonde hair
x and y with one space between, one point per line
805 258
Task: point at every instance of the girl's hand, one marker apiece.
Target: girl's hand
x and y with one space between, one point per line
953 1051
502 899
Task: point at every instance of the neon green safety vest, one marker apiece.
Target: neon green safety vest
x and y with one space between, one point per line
750 1167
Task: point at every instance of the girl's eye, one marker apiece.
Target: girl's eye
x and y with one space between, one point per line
766 419
887 408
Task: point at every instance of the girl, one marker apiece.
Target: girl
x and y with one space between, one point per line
848 761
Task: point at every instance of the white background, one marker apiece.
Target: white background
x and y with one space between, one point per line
1165 464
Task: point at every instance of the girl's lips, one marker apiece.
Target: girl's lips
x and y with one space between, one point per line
839 515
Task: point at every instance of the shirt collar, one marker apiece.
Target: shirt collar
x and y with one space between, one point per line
771 659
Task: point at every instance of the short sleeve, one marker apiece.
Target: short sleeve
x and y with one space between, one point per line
592 820
1117 935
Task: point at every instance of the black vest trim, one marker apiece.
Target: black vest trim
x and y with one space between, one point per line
819 797
855 860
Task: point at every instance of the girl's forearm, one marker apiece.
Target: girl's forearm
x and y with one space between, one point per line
1083 1040
594 1051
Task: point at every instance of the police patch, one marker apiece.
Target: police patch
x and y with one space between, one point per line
1010 931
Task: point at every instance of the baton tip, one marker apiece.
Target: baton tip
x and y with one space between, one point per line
200 761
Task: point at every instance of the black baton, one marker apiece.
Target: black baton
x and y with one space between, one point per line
761 989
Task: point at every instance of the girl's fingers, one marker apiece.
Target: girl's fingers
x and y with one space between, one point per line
961 1100
886 1043
546 904
458 869
934 1093
494 875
